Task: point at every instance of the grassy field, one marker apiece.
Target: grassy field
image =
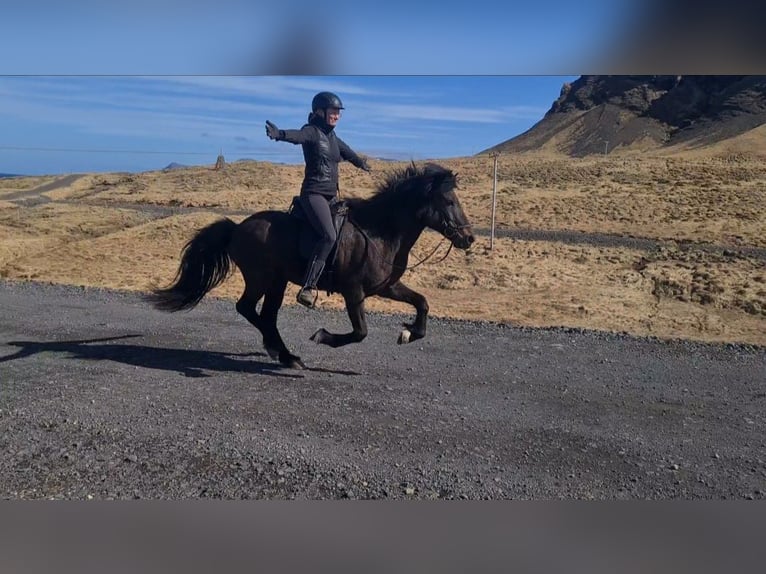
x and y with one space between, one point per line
705 280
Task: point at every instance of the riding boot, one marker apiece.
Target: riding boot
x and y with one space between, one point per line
308 294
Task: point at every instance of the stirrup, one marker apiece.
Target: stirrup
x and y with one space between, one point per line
307 298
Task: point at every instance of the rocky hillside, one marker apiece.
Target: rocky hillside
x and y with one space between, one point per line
602 114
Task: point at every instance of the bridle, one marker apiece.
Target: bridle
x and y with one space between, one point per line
449 232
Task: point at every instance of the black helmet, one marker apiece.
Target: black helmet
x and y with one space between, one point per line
324 100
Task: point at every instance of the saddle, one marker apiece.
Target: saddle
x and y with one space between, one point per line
308 236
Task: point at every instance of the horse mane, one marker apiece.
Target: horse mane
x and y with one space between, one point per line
408 187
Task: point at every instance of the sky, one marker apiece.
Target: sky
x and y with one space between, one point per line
137 85
339 37
75 124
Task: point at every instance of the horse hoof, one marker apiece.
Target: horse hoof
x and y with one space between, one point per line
318 336
404 337
292 362
273 353
296 363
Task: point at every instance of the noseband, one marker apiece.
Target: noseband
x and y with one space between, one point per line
451 231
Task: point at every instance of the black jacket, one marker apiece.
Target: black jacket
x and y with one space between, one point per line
322 152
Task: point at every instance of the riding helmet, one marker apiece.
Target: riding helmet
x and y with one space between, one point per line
324 100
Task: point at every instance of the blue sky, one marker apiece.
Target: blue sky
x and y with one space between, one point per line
67 124
185 79
340 37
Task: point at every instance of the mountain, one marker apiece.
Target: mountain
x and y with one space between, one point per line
598 114
9 175
174 165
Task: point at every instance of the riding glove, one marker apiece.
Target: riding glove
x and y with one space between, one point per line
273 131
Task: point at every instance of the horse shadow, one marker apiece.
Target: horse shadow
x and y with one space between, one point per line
187 362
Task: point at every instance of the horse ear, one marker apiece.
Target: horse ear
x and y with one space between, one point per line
436 182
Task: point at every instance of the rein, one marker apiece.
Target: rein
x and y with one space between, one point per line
450 232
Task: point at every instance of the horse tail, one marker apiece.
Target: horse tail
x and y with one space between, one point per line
205 264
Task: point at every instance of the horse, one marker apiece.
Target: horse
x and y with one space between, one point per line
370 257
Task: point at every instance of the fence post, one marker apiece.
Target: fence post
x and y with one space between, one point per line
494 204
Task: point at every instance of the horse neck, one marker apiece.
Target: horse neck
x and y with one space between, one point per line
409 236
400 231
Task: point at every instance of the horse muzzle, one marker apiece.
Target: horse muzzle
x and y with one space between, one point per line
463 239
460 236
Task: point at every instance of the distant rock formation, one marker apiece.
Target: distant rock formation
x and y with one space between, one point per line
173 165
598 114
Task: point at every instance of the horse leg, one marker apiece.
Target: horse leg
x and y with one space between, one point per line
266 321
400 292
247 307
355 309
271 304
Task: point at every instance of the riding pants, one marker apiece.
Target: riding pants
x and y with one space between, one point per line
317 209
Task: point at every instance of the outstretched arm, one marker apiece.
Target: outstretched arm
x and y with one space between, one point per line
350 155
303 135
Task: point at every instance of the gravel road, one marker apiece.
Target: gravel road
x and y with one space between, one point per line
103 397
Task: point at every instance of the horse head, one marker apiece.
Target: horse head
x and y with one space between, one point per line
442 211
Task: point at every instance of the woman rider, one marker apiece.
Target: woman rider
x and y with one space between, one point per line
323 150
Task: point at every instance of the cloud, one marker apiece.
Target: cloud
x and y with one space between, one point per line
214 108
200 113
285 88
454 113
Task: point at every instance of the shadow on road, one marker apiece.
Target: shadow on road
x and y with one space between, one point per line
188 362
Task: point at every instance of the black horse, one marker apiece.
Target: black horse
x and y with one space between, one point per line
371 256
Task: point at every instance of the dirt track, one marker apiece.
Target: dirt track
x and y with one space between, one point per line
104 397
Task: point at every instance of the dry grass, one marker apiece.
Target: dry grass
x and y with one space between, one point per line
10 185
83 238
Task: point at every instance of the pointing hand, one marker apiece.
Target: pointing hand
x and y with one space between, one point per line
272 131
